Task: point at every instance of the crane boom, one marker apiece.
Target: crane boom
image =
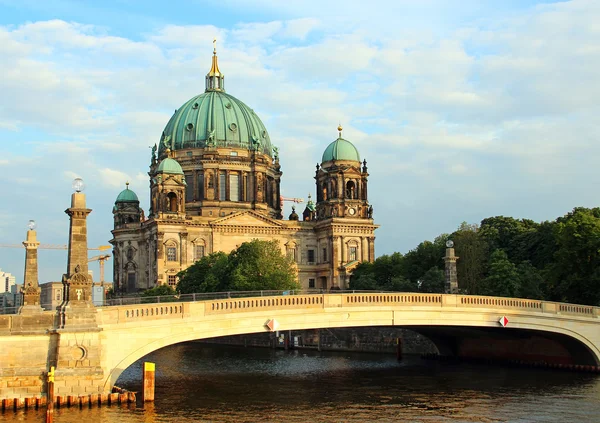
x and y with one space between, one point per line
292 199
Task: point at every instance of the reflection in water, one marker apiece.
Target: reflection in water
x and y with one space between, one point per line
207 383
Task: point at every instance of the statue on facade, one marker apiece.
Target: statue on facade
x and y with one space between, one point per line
210 140
154 154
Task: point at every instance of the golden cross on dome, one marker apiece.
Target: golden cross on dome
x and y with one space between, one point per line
215 45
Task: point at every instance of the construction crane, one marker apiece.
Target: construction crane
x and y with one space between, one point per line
101 259
293 200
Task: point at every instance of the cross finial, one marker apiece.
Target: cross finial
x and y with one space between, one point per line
340 129
215 45
127 184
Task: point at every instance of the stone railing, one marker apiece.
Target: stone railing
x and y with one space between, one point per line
283 300
267 303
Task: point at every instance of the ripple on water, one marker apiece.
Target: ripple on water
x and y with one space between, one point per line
208 383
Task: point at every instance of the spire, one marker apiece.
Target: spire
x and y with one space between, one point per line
214 77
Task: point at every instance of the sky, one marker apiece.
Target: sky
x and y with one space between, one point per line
463 109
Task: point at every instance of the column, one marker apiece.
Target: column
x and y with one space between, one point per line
183 258
31 290
364 250
451 286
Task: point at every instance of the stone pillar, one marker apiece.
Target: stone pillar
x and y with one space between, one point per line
31 289
372 249
77 308
364 250
451 286
75 344
183 242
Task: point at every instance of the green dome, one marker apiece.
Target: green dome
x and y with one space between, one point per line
340 149
169 165
216 118
127 196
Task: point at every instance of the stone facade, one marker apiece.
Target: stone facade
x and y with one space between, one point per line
209 195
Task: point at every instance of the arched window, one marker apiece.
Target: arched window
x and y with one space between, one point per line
172 202
350 189
171 252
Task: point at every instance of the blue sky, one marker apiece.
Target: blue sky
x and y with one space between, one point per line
463 109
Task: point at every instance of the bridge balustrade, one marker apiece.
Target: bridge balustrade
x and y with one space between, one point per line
402 298
264 303
496 302
152 311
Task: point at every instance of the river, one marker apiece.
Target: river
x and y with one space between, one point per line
210 383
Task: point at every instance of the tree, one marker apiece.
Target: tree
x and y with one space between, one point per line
258 265
531 281
502 232
575 274
384 274
427 255
255 265
433 281
472 251
159 291
209 274
503 279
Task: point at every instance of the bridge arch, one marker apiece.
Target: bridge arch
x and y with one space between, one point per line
439 317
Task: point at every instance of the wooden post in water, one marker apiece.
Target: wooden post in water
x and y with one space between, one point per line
148 385
399 348
50 396
318 339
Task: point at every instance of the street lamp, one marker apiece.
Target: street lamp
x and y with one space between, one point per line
78 185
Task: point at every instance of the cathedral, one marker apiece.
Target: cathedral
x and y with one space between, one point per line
215 182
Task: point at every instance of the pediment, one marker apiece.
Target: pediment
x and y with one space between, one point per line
247 218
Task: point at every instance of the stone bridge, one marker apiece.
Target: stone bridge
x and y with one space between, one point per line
89 360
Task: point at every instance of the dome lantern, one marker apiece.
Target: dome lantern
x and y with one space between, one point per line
215 80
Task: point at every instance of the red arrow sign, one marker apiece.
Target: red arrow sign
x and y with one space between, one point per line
503 321
272 325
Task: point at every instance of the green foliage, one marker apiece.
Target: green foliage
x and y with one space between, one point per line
253 266
558 261
209 274
575 274
159 291
503 279
472 250
531 281
427 255
433 281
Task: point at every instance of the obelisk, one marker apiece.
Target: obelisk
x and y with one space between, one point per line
77 309
31 288
451 286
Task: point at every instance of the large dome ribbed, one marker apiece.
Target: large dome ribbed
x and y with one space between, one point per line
215 118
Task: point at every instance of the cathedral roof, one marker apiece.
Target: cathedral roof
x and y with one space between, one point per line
127 196
169 165
340 149
215 118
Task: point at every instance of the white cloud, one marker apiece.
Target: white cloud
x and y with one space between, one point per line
113 178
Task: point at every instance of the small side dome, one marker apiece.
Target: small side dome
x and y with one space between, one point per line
127 196
340 149
170 165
